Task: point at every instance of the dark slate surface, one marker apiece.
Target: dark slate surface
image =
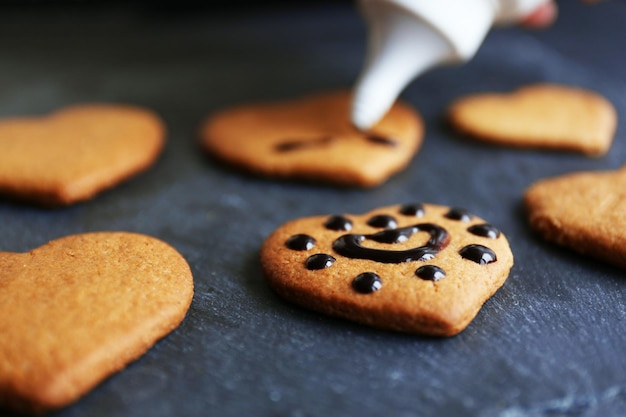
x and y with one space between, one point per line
549 343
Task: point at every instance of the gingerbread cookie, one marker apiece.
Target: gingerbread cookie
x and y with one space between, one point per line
584 211
418 268
73 154
80 308
542 116
312 139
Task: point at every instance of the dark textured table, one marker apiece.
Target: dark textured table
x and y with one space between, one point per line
549 343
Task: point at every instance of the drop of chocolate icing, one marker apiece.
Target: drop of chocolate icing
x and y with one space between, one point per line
319 261
367 283
296 144
416 210
383 220
484 230
300 242
430 273
338 223
479 254
380 139
459 214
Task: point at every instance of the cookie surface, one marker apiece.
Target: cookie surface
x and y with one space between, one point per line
312 139
76 152
416 268
541 116
585 211
80 308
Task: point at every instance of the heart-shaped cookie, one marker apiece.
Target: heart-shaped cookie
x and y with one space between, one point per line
417 268
585 211
547 116
311 138
80 308
72 154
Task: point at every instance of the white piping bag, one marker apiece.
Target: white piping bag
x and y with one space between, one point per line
408 37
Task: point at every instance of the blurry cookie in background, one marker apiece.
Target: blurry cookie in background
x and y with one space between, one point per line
311 138
75 153
584 211
538 116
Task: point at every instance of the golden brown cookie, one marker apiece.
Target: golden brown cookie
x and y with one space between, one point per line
585 211
74 153
417 268
542 116
311 138
80 308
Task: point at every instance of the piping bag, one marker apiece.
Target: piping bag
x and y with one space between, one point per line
409 37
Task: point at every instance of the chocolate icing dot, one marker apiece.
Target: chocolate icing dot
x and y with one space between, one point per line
383 220
484 230
300 242
459 214
338 222
479 254
430 272
416 210
367 283
319 261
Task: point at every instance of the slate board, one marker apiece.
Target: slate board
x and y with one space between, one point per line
549 343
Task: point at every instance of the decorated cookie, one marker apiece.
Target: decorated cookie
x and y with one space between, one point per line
547 116
584 211
73 154
416 268
311 138
80 308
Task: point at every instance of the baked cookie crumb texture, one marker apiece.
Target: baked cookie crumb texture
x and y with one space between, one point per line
80 308
417 268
